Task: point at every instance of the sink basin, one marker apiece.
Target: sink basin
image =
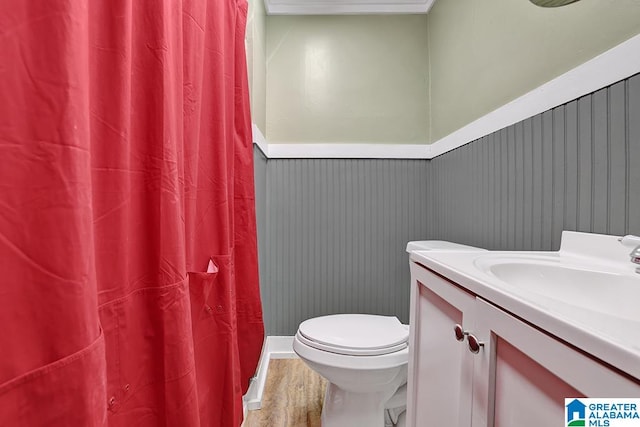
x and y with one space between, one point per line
601 289
586 294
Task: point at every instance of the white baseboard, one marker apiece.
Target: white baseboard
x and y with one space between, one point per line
275 347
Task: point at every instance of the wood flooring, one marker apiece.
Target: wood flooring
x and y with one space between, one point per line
292 396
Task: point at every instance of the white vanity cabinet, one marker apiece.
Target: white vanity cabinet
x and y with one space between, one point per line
440 367
519 376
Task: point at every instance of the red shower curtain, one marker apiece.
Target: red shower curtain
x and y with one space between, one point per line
125 167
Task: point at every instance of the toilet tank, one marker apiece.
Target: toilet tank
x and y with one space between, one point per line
439 245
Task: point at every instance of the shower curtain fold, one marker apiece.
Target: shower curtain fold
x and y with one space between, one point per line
125 166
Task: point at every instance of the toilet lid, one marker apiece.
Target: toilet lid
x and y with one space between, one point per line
355 334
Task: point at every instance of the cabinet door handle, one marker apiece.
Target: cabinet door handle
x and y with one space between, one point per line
474 344
460 333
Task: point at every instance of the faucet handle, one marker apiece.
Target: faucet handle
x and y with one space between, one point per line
635 255
630 240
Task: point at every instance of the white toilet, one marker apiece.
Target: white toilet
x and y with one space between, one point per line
364 358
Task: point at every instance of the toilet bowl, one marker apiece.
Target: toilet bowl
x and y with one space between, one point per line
364 359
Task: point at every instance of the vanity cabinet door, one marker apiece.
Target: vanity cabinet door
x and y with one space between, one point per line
440 366
522 375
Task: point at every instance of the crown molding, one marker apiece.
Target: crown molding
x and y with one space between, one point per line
345 7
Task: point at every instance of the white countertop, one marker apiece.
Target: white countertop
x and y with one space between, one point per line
612 339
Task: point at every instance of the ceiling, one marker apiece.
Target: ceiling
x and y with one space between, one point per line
345 7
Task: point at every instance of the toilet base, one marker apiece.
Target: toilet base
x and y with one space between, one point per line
343 408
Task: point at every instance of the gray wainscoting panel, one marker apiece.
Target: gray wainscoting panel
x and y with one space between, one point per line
576 167
336 233
260 179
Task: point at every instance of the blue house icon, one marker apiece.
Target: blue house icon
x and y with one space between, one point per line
575 407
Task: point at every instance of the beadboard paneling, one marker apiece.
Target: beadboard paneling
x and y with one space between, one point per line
335 237
260 179
571 168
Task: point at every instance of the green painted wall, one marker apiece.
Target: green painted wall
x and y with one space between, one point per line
256 41
347 79
485 53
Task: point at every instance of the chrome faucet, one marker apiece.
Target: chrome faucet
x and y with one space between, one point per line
632 242
635 257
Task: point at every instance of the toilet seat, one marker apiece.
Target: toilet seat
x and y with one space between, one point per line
354 334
